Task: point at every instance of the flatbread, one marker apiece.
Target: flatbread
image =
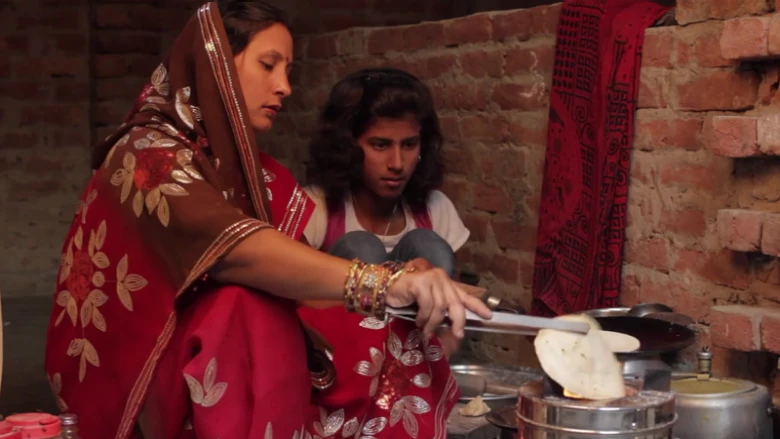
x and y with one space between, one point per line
584 364
620 343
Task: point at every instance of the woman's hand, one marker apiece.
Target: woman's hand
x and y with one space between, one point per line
418 264
437 297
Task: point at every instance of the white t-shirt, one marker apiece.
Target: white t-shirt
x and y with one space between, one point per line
444 219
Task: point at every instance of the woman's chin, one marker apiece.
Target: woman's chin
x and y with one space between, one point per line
262 125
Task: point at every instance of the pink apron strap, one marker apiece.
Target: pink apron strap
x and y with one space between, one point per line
336 225
422 218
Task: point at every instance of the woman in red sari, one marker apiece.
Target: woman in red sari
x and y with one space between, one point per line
375 165
174 313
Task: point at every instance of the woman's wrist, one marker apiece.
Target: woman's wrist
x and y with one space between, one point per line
366 287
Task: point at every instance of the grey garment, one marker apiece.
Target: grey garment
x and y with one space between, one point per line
419 243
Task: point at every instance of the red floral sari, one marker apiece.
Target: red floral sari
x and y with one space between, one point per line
390 381
136 322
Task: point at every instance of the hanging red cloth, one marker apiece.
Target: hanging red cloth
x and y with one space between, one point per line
582 216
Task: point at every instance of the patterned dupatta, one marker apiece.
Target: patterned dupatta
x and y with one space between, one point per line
173 190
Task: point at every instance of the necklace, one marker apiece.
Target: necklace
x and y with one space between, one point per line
390 221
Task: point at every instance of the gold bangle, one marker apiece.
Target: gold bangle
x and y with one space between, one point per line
351 283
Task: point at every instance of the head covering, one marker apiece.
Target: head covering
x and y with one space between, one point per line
177 186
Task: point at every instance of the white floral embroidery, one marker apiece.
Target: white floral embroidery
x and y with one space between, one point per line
210 392
328 425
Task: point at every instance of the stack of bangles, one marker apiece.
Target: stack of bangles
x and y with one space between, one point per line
366 287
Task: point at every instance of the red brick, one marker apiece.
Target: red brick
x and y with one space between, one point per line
112 41
689 222
423 35
493 199
15 43
768 128
684 176
34 189
459 160
745 38
110 65
482 63
386 39
524 60
119 88
516 23
738 8
506 162
718 90
722 268
699 44
658 47
770 236
20 139
526 129
690 11
449 127
316 73
740 230
321 46
512 235
32 67
460 96
477 225
650 253
456 189
629 290
72 92
472 29
483 127
56 18
437 65
736 327
770 331
773 38
352 42
523 97
72 43
652 134
651 89
731 136
505 268
544 19
24 90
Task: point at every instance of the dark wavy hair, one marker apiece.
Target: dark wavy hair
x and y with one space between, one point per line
244 18
335 159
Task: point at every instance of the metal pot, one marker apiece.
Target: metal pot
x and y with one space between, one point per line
721 408
646 415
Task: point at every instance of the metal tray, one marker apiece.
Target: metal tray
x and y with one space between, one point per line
506 375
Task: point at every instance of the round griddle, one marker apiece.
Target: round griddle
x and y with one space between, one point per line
655 336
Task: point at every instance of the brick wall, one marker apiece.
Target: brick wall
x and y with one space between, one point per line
489 74
44 133
693 161
71 72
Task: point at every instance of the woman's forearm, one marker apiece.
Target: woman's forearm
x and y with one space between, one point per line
270 261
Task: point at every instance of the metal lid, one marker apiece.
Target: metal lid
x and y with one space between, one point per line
69 419
711 387
642 413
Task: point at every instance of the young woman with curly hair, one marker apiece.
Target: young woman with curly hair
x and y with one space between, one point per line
375 166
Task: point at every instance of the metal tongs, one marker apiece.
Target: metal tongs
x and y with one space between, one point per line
502 322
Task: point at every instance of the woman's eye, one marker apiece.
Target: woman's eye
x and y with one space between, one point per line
267 66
